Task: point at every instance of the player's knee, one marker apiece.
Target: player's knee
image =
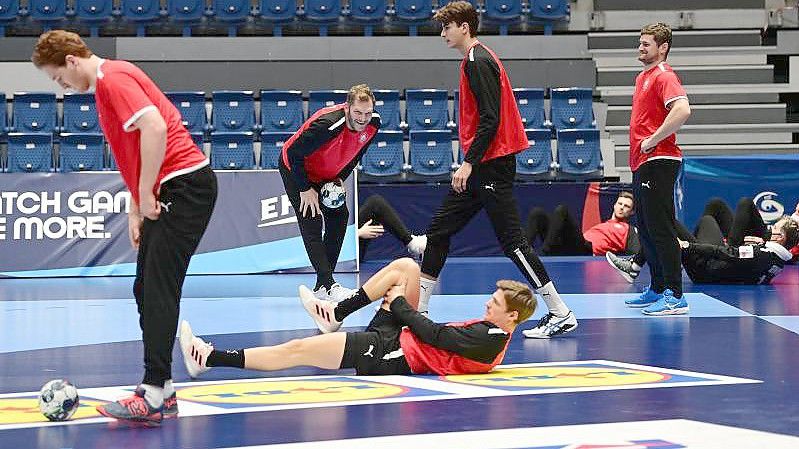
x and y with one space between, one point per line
407 265
296 346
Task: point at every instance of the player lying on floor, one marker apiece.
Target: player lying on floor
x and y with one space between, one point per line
399 339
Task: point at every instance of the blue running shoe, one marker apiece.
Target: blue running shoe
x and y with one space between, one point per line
647 297
668 305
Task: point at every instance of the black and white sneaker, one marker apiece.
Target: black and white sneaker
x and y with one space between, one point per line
551 326
623 266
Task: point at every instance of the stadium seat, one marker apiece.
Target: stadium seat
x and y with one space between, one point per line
231 12
323 13
111 163
456 98
384 160
198 139
9 13
186 13
271 148
367 12
579 154
141 13
430 155
572 108
94 13
30 152
192 109
80 114
387 104
34 112
232 151
281 110
426 109
549 11
233 111
318 99
278 13
536 161
3 118
531 107
49 13
413 13
81 152
503 13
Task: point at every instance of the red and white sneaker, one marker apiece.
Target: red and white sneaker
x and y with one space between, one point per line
322 312
171 406
134 409
195 351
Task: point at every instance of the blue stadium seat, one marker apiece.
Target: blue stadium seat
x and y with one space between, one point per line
231 12
3 118
456 99
141 13
198 140
387 104
110 162
549 11
49 13
503 13
94 13
413 13
367 12
579 154
531 107
186 12
536 161
385 158
318 99
81 152
426 109
232 151
323 13
80 114
9 13
572 108
233 111
281 110
30 152
192 109
278 13
271 148
34 112
430 155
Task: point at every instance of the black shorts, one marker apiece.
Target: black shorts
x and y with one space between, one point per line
376 351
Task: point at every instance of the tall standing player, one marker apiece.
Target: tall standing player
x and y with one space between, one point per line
660 107
327 148
173 191
491 133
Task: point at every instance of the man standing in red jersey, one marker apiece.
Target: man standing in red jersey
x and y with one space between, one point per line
491 133
660 107
173 191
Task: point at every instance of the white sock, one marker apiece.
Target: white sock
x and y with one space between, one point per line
168 388
636 267
552 299
153 395
425 290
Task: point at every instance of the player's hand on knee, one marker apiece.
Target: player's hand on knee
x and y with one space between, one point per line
394 293
309 202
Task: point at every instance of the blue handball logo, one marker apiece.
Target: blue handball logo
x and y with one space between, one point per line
769 207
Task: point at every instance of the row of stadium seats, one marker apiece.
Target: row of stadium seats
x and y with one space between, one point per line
232 13
283 111
430 154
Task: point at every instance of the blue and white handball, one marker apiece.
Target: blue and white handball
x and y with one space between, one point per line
58 400
333 195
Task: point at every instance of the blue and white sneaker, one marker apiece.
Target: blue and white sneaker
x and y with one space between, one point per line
647 297
667 305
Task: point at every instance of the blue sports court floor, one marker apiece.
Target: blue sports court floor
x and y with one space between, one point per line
727 376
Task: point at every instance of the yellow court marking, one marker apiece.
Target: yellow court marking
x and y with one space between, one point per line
290 392
561 377
26 410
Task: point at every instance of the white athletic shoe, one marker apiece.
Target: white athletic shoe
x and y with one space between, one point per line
336 293
321 294
551 326
195 351
321 311
417 245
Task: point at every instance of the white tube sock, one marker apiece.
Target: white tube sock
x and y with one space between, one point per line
552 299
426 287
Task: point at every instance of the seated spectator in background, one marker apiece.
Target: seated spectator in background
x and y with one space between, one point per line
375 216
562 236
751 254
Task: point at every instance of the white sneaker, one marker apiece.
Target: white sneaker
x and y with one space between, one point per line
551 326
322 312
321 294
417 245
336 293
195 351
